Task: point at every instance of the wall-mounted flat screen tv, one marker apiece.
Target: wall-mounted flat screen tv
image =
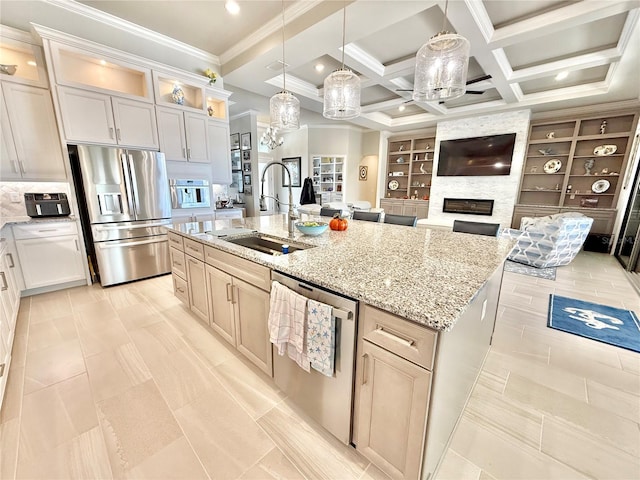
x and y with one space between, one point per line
490 155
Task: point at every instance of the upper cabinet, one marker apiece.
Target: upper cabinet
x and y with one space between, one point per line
183 135
31 145
97 118
24 60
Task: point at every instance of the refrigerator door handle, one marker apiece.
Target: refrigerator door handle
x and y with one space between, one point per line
127 182
134 180
116 244
129 227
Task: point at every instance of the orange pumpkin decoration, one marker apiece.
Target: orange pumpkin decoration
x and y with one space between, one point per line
338 223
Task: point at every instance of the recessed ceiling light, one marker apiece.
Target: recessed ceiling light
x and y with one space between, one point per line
401 108
319 67
103 62
232 7
32 63
562 75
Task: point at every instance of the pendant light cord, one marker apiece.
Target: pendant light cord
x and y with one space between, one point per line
444 19
284 65
344 28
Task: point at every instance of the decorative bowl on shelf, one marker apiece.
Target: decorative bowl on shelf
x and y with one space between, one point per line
552 166
600 186
604 150
312 228
8 69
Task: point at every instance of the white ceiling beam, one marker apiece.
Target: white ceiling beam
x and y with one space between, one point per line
589 60
559 20
298 86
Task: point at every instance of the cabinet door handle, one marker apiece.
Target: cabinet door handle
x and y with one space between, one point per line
234 294
184 152
407 343
5 286
2 370
188 153
228 294
77 246
22 169
180 289
10 256
118 136
364 368
14 166
110 132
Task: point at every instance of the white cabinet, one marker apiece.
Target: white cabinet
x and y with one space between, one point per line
30 144
49 253
219 147
183 135
97 118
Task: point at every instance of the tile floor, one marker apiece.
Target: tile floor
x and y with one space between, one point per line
124 383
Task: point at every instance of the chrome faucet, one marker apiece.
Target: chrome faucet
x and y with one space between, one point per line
292 217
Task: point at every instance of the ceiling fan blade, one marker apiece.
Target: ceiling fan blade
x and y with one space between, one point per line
474 92
479 79
404 90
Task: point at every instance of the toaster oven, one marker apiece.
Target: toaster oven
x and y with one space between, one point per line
46 204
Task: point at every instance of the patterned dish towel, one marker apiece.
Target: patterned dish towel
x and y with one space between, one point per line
321 337
287 323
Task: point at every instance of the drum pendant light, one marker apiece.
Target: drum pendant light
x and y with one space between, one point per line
342 88
283 106
441 66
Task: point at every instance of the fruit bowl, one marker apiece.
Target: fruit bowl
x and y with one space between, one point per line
312 228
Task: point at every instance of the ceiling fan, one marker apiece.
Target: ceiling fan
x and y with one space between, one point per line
469 82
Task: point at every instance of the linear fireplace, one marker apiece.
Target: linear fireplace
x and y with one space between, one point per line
468 206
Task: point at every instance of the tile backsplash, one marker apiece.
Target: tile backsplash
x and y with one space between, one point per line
17 209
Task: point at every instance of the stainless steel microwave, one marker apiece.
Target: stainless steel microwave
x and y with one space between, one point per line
190 193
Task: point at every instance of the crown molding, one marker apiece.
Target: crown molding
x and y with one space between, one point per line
134 29
19 35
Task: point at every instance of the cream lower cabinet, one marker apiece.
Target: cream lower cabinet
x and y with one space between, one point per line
239 300
196 282
49 253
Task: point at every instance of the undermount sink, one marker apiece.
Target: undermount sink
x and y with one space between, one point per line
269 245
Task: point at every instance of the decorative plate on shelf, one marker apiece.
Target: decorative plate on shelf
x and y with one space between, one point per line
604 150
552 166
393 185
600 186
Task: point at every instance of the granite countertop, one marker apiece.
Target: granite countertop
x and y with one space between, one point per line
425 275
28 220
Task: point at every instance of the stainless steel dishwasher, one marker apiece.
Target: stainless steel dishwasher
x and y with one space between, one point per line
328 400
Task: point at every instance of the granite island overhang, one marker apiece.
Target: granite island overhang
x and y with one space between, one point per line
428 276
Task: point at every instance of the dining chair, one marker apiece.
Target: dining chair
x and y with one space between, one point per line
367 216
477 228
329 212
408 220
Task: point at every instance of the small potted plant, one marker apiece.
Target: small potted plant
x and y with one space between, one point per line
211 75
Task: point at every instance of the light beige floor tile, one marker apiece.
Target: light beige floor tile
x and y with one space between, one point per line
106 336
374 473
122 296
313 451
55 415
485 476
19 352
209 346
274 465
83 457
136 425
114 371
587 453
24 312
9 438
175 461
179 317
86 294
586 366
598 421
225 438
181 377
536 371
93 314
630 362
48 306
505 459
616 401
12 402
455 467
156 340
491 381
54 364
497 413
138 315
49 333
250 387
511 299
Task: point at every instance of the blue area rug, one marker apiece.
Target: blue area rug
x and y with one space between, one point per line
611 325
547 273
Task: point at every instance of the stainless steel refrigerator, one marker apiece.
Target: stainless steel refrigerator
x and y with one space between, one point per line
127 206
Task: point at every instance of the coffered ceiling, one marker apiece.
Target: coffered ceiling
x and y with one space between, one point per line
522 44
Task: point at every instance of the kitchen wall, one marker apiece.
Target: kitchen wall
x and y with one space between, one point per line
248 123
296 144
16 190
502 189
366 189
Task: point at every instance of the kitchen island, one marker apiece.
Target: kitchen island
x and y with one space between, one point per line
427 307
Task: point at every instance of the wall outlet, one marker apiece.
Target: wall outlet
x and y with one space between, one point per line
15 197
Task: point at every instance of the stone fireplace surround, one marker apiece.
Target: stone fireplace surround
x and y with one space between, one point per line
503 189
